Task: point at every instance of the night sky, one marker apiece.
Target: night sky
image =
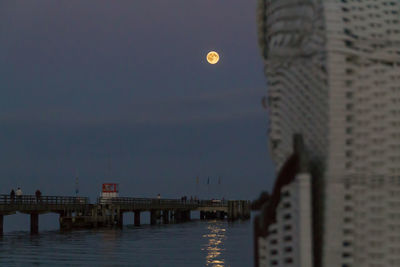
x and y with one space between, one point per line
120 91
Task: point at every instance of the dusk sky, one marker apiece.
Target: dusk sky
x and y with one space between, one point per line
120 91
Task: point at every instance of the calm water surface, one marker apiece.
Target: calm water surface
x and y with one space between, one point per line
197 243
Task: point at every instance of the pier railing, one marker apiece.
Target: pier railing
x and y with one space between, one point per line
67 200
161 202
213 203
42 200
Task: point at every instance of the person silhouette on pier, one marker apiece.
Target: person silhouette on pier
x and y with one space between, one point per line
12 195
18 193
38 195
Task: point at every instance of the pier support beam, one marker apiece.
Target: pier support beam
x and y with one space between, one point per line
94 216
236 210
187 215
247 211
1 224
183 216
211 215
137 218
34 223
220 215
245 208
153 217
177 216
232 210
121 220
165 215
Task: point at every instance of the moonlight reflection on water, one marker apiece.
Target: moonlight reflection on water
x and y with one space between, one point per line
215 247
196 243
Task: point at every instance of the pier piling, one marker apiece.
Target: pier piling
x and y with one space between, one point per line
178 216
153 217
165 216
1 224
137 218
34 223
187 215
121 219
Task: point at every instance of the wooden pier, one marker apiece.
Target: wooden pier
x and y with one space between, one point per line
77 212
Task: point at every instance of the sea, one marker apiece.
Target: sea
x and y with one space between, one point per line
196 243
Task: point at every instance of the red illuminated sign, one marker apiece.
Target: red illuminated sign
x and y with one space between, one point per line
110 188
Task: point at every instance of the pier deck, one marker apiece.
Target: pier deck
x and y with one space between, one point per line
78 212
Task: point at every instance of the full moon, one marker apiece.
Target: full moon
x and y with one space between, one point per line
212 57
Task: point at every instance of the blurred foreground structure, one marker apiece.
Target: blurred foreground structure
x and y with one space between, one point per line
333 70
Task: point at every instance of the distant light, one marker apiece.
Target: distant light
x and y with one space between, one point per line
212 57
